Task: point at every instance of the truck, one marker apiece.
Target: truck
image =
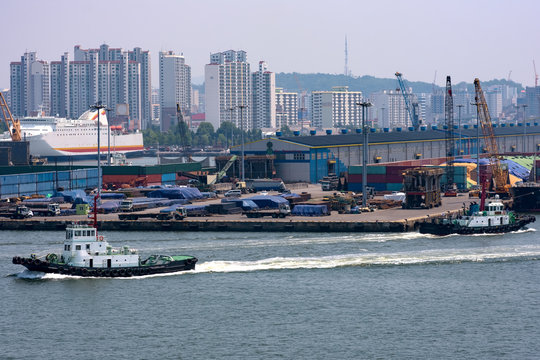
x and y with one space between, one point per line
281 211
127 205
179 214
19 212
50 210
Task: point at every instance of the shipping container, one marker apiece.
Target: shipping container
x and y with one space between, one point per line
45 186
394 186
27 189
371 169
378 186
27 178
9 180
46 176
168 177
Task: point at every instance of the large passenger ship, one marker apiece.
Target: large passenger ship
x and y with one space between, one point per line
54 137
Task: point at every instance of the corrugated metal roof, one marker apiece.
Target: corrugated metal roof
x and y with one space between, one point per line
404 136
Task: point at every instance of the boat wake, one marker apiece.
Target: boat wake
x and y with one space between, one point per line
426 257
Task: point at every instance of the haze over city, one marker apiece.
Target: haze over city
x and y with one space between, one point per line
484 39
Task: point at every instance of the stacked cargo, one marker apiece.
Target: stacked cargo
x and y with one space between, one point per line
390 177
45 183
147 175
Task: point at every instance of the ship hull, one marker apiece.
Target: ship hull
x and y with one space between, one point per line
64 269
436 228
526 198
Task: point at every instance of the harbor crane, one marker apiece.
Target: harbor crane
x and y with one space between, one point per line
500 175
13 125
450 141
410 103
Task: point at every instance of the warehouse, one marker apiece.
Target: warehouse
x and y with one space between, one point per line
310 158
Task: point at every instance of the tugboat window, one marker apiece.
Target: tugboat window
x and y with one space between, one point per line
78 233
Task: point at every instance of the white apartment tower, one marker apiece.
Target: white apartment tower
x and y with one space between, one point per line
336 108
264 97
30 86
286 108
174 88
228 89
390 106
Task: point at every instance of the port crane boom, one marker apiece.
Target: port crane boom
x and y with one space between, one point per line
411 106
13 125
450 143
499 175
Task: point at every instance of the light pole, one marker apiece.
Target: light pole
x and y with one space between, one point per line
98 107
524 128
242 107
108 138
459 126
365 105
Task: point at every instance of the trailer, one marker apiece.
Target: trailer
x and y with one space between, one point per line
281 211
19 212
128 205
179 214
50 210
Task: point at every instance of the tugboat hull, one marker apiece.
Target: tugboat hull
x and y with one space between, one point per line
55 268
447 229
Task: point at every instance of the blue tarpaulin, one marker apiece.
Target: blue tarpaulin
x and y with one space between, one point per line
106 195
268 201
187 193
310 210
243 203
71 195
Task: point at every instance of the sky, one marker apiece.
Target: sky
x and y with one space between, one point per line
423 39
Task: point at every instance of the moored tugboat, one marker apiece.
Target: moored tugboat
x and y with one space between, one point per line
87 254
477 220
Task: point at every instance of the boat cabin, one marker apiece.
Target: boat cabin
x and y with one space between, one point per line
83 247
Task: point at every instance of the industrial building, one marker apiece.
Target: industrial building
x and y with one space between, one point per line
310 158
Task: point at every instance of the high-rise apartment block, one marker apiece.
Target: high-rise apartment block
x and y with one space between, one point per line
228 89
286 108
68 87
174 88
390 106
264 97
336 108
30 86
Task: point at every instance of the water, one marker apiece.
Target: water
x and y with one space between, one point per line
289 296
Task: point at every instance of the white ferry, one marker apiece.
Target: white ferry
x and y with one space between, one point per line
59 137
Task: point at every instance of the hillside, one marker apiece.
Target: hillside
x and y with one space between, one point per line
294 82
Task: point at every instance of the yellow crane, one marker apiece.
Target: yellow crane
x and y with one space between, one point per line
500 175
13 125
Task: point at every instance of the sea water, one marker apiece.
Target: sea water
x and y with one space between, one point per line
282 295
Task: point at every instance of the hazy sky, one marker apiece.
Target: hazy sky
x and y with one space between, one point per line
462 38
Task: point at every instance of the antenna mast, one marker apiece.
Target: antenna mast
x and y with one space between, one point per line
346 73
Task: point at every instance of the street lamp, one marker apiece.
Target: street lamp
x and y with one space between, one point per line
99 106
242 107
365 105
459 126
524 128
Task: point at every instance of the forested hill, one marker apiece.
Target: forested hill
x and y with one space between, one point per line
295 82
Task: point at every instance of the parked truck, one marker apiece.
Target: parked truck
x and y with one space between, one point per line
179 214
127 205
18 212
50 210
281 211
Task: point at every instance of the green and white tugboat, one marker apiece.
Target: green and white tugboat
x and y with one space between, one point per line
479 220
86 253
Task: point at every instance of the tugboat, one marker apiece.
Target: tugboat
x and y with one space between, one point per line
87 254
477 220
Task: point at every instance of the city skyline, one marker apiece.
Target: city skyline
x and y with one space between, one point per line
484 39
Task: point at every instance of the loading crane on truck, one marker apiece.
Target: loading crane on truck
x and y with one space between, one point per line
500 176
13 125
223 171
411 105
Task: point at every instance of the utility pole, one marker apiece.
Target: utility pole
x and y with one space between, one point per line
365 105
242 107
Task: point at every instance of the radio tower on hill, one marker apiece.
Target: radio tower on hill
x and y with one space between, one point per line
346 72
